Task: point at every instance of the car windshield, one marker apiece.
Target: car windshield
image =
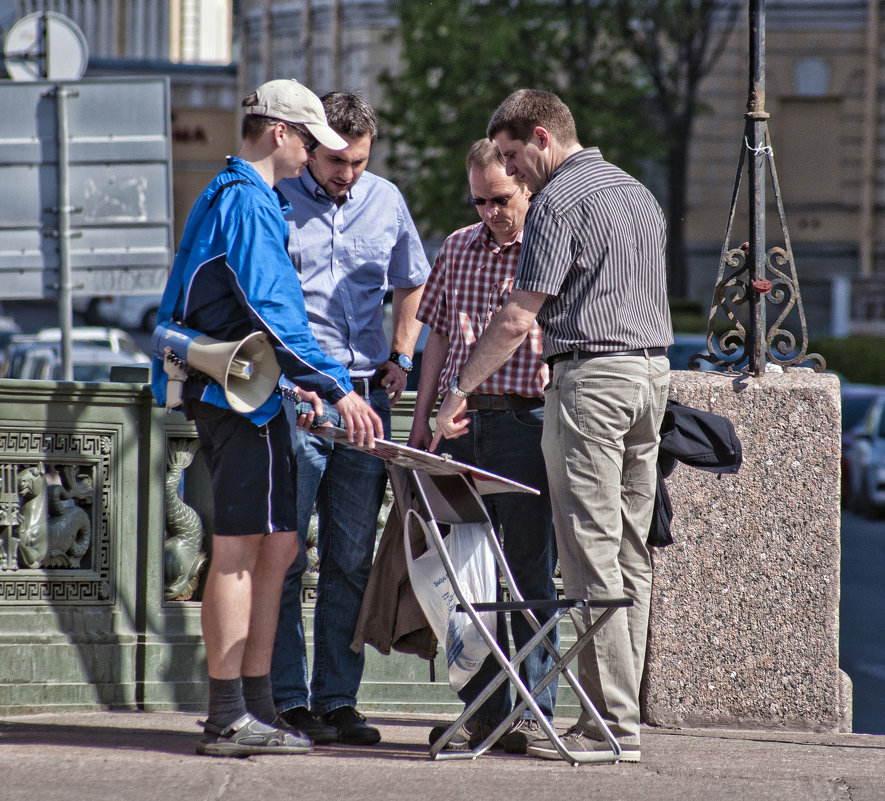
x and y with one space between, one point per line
854 407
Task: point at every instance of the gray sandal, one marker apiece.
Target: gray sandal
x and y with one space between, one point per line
247 736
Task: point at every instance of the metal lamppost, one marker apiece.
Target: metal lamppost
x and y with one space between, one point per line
749 275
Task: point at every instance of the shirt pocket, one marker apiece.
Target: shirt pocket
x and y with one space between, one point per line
372 255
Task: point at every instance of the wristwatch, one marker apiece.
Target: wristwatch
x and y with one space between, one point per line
402 361
455 389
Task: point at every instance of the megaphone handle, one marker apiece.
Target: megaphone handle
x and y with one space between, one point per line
303 407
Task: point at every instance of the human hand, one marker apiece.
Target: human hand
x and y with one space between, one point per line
361 421
420 436
311 412
450 420
393 379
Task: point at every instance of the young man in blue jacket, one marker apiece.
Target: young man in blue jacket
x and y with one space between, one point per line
232 275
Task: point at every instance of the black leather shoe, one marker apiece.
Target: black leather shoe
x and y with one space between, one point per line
301 719
351 726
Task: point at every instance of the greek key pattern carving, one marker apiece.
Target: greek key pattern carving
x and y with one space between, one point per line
81 573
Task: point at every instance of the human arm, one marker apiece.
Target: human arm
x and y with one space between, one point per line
432 362
261 274
506 332
406 328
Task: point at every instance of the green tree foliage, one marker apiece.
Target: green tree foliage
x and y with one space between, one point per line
461 58
676 43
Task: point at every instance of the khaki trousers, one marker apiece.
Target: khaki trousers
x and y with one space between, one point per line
602 418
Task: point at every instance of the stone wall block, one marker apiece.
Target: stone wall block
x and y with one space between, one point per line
745 611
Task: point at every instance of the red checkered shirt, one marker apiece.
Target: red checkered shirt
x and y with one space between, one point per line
471 278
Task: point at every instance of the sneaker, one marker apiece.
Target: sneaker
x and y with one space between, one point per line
472 733
460 739
521 735
351 726
577 742
247 736
299 718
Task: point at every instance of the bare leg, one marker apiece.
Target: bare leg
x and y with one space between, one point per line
278 550
243 587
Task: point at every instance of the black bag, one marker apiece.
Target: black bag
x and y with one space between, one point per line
699 439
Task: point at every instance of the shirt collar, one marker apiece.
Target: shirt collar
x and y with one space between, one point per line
588 154
481 236
316 191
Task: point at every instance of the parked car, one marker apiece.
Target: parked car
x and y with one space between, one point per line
43 362
112 339
94 351
856 402
8 329
867 460
684 347
130 311
14 354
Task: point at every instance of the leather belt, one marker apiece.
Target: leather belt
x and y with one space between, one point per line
577 355
477 403
364 386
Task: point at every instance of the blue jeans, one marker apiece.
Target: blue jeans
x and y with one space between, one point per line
348 489
508 443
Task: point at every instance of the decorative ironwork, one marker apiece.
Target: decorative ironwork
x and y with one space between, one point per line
749 276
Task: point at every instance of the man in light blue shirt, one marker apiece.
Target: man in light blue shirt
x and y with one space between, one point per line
351 238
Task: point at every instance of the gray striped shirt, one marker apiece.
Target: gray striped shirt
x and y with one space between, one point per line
595 242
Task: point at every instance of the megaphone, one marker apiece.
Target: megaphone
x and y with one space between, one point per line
247 369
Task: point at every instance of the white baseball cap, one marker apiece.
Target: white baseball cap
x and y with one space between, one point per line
287 100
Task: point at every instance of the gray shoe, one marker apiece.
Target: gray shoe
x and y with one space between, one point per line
514 741
247 736
460 740
520 736
577 742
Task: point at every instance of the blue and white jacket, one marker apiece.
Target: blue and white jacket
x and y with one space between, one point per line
232 275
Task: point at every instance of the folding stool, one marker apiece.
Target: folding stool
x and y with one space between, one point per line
430 497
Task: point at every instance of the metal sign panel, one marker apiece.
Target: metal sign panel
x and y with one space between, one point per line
117 177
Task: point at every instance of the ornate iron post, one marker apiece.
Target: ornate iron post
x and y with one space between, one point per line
749 276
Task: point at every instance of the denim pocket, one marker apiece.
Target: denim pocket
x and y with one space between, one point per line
530 418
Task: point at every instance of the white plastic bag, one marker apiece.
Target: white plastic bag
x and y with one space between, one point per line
474 564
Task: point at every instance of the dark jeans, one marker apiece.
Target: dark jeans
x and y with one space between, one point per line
508 443
348 489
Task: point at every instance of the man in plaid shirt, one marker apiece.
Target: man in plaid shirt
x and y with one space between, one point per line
471 278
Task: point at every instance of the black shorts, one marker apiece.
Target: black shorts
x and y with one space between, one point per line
252 483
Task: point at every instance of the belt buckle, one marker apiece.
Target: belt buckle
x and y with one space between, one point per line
361 385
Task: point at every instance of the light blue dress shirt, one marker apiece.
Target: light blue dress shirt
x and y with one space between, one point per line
347 257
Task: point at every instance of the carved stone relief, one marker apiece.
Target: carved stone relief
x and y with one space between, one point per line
183 557
54 489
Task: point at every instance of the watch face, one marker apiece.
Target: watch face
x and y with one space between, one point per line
404 361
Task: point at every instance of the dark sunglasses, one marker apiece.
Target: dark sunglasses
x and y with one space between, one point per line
311 143
498 201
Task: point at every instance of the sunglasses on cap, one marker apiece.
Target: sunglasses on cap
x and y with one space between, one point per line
311 143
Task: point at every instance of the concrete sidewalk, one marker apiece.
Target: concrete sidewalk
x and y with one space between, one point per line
148 756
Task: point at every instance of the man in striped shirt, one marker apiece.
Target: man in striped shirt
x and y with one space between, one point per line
471 279
592 273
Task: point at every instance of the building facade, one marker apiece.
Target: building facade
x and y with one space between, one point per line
823 69
823 79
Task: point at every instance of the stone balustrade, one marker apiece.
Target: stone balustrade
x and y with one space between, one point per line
744 628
